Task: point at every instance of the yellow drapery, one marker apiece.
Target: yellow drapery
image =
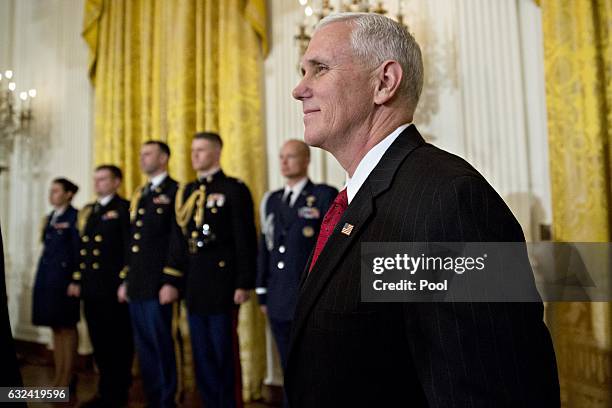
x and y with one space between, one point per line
578 69
166 69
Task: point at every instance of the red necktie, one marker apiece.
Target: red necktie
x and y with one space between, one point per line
330 220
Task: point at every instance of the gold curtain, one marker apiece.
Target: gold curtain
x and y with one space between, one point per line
165 69
578 70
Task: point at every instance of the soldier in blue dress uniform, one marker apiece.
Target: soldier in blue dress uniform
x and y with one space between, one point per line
212 256
152 221
51 304
291 218
104 228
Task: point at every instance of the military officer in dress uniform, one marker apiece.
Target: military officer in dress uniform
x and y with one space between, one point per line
152 220
51 306
291 218
213 256
104 230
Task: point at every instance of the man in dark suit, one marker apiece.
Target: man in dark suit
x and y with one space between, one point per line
104 230
291 218
212 256
152 220
363 75
9 374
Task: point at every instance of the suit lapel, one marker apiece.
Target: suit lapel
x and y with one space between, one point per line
358 214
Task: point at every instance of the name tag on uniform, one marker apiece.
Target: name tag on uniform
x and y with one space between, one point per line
161 199
309 213
110 215
61 225
215 199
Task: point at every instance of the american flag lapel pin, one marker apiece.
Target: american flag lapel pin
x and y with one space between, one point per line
347 229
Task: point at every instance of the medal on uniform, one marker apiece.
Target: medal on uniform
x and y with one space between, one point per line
309 213
310 200
308 231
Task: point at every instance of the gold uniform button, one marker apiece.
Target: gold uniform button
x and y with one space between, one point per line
281 249
82 265
85 238
135 248
139 223
96 265
280 265
141 211
83 252
213 210
98 238
160 210
194 234
96 252
137 236
221 264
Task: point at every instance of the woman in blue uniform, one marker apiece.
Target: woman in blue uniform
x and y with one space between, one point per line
51 304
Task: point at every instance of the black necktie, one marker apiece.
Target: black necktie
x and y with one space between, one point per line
288 198
96 208
147 189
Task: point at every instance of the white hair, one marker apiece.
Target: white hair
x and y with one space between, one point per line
376 38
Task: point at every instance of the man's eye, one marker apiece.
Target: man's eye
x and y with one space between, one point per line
321 68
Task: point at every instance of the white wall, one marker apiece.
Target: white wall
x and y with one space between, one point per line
40 41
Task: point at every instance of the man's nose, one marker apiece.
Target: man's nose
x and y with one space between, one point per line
301 90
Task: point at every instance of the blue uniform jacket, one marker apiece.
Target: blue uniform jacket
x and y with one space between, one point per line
51 305
288 237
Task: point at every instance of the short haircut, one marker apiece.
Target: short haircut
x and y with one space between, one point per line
66 184
376 38
303 146
162 146
211 137
114 170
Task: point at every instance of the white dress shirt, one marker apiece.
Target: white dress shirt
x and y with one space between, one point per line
105 200
296 189
369 161
157 180
57 212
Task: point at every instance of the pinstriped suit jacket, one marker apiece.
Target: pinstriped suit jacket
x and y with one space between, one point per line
347 353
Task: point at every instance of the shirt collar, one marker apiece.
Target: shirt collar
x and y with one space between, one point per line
296 189
369 161
157 180
59 211
209 173
105 200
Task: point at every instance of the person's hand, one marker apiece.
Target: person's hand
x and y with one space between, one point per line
168 294
74 290
122 293
264 309
241 296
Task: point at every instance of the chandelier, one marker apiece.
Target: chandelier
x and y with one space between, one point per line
15 108
314 13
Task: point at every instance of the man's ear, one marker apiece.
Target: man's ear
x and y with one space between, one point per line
388 78
164 159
